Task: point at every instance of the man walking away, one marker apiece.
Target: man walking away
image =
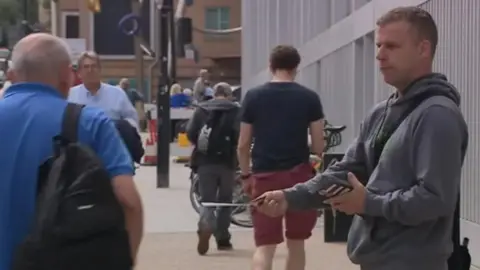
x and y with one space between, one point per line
405 166
31 115
279 115
213 130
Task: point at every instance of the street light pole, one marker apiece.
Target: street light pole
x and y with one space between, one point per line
25 23
173 46
163 99
25 10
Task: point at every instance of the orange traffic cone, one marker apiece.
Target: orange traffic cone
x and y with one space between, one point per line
150 157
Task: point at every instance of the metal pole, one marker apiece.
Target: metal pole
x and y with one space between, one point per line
173 46
163 101
25 18
25 10
139 63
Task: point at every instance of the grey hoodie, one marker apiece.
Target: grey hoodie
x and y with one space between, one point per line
198 120
412 192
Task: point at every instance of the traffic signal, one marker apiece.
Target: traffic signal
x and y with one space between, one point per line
184 35
94 6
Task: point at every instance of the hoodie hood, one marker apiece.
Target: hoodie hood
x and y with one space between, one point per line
396 224
434 83
218 105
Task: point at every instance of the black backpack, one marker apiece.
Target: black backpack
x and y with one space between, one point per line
79 223
216 137
460 258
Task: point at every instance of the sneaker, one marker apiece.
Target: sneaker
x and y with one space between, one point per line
203 241
224 245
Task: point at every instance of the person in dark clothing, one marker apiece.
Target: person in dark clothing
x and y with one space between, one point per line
131 138
213 130
133 95
279 115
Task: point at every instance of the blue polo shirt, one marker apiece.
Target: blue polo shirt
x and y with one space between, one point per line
30 116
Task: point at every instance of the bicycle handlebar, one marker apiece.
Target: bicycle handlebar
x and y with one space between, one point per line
335 128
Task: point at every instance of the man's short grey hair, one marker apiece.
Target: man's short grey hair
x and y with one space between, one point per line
203 71
222 89
88 55
39 56
124 80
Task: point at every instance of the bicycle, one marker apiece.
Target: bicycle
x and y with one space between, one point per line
241 214
239 197
333 138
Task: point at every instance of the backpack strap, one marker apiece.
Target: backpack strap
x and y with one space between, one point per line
387 130
71 117
454 260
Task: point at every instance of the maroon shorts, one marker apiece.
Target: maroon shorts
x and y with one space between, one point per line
299 224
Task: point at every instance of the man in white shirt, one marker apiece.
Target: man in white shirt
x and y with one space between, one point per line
113 100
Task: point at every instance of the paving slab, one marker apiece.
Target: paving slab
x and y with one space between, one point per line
177 251
170 238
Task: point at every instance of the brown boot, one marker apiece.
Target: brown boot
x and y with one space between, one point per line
203 240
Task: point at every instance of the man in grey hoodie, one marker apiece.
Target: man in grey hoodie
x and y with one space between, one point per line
403 197
213 130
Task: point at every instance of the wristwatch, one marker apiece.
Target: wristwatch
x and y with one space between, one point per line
245 176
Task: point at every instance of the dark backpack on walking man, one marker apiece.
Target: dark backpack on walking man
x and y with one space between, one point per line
79 223
216 138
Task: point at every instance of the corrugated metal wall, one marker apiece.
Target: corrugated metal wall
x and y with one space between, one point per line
336 79
459 58
348 79
268 23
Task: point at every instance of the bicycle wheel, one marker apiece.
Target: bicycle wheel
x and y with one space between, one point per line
194 194
241 215
243 219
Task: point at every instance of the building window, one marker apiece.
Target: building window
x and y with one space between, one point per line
71 25
217 18
108 39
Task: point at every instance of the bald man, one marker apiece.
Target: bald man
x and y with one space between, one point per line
31 115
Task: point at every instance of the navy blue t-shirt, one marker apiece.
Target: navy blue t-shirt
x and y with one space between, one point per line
280 113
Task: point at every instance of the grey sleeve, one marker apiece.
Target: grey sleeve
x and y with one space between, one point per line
438 150
194 126
305 196
236 124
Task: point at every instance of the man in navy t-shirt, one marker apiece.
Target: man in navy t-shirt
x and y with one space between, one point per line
279 115
31 115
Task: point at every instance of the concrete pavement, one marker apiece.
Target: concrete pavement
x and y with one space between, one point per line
170 238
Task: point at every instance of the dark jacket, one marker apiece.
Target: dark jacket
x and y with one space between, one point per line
197 121
131 138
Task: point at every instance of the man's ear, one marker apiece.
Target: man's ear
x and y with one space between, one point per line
425 48
11 75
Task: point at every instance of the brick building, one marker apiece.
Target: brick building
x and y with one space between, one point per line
99 32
